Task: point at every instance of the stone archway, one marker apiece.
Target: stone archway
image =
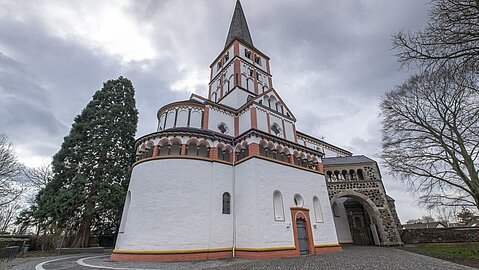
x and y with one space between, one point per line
373 212
378 211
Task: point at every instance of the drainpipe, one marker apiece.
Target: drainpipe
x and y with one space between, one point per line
234 199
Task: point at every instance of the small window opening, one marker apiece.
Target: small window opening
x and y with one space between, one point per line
247 53
226 203
276 129
257 60
223 128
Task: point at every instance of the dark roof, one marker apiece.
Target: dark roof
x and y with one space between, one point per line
347 160
239 27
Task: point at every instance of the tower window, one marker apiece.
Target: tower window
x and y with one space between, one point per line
257 60
247 53
226 203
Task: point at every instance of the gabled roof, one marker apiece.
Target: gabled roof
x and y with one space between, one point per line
272 92
347 160
238 27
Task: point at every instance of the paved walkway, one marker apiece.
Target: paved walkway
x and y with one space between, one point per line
352 258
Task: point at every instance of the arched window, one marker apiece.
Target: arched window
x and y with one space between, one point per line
242 152
175 149
352 174
278 206
125 212
203 150
336 175
224 154
360 174
226 203
263 151
318 213
330 175
164 150
345 175
192 149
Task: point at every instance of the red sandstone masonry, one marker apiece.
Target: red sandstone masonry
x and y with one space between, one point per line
214 153
236 126
254 118
253 149
206 117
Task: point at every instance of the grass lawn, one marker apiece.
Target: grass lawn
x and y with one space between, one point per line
462 253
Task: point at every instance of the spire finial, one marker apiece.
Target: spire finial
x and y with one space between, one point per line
239 27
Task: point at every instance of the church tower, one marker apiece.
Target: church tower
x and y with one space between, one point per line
241 71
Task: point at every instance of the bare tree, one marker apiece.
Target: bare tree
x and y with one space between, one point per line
40 176
452 35
10 172
7 214
431 136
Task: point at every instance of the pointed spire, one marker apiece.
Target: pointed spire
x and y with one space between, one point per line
239 27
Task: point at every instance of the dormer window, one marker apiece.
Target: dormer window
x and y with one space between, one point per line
257 60
223 128
247 53
276 129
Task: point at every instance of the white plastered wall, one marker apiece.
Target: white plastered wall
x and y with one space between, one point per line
341 223
245 121
256 180
218 116
176 204
236 98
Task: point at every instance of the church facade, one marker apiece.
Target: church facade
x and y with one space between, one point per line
229 175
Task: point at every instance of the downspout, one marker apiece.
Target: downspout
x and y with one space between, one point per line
234 200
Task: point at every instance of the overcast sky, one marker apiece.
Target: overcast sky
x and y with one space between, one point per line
331 62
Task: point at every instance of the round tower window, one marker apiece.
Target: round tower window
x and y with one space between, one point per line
298 200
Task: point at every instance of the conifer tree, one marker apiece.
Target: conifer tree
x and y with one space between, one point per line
91 170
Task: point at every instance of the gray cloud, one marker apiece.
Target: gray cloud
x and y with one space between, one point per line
331 61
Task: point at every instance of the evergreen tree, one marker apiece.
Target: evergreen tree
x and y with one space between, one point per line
91 170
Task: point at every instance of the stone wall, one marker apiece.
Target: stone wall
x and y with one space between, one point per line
440 235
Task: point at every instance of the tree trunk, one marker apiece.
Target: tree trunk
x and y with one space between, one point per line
82 238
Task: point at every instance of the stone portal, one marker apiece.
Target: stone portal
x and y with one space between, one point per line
356 192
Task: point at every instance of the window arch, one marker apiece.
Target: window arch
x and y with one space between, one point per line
125 212
278 206
352 174
360 174
175 149
318 213
226 203
330 175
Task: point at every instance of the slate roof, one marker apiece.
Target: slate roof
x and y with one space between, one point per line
347 160
239 27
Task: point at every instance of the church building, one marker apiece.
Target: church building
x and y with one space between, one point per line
229 175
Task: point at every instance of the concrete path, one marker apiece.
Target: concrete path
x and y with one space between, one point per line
352 258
